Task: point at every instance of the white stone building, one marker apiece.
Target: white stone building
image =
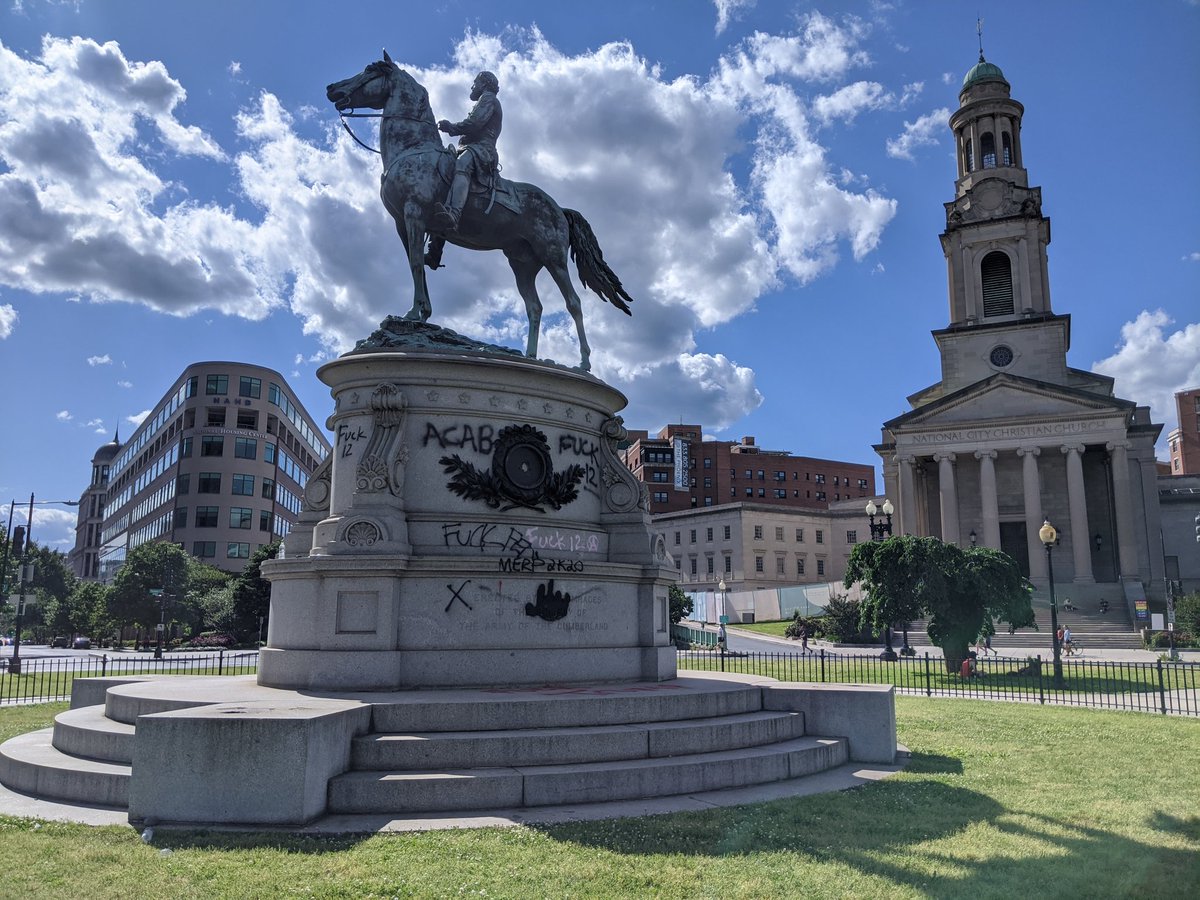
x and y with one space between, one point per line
1012 435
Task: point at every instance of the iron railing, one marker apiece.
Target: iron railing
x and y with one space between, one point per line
1169 688
49 678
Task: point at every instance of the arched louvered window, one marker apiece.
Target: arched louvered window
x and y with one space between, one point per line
1006 141
996 272
969 156
987 149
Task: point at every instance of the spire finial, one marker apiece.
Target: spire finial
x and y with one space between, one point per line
979 31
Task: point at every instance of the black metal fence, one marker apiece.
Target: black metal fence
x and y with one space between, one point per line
45 679
1169 688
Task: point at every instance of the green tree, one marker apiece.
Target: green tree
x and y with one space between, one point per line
88 604
154 566
681 604
961 592
889 572
252 596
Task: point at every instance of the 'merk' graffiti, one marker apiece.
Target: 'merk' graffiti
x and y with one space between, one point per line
520 548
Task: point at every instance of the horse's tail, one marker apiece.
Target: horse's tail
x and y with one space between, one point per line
593 270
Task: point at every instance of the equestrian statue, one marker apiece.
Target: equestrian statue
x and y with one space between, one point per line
434 193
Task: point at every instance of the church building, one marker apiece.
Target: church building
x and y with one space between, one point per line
1012 435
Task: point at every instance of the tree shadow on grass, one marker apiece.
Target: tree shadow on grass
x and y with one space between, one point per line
880 831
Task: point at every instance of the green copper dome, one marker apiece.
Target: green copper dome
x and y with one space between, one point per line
982 70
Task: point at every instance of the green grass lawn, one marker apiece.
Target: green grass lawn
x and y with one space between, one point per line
776 629
999 801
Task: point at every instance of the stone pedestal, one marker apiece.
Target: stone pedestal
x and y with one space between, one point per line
473 526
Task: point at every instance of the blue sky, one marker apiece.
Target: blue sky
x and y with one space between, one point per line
766 178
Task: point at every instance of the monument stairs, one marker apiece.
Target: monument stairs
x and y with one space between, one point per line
458 750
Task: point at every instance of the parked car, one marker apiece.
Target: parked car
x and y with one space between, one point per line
60 640
82 643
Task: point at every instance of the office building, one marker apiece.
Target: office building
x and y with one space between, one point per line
1184 440
218 467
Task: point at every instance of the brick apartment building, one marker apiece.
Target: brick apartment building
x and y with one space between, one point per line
682 471
1184 441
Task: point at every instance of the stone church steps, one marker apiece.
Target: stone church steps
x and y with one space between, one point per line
555 785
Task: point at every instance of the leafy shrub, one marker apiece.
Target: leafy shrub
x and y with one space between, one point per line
1187 613
812 623
1158 639
211 639
841 623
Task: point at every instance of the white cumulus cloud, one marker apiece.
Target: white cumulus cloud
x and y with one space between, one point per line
63 415
138 418
1153 362
104 360
8 320
649 161
728 10
921 133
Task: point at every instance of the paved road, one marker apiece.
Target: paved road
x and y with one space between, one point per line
751 642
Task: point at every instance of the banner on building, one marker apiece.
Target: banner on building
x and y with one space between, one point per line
682 465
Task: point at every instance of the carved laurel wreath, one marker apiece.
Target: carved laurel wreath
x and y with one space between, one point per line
521 474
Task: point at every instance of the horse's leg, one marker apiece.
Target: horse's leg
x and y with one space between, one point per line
412 233
526 268
562 277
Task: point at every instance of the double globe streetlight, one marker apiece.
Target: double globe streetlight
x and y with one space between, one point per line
882 530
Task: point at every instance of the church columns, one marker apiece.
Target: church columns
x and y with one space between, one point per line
948 495
1033 512
908 496
1081 545
1123 500
987 498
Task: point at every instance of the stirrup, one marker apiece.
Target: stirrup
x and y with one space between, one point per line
444 219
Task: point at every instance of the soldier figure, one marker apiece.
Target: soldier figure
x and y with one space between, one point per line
477 148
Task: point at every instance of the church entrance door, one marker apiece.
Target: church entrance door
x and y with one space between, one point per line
1013 542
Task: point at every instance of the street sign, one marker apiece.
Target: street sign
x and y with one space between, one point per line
724 620
158 627
156 592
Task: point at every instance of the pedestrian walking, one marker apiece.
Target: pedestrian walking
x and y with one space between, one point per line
803 638
722 638
1066 639
987 644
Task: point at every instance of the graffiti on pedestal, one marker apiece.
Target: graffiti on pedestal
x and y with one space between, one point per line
521 475
551 605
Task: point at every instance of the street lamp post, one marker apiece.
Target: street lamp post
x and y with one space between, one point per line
1047 534
21 544
882 530
162 618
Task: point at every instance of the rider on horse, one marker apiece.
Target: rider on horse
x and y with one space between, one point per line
477 155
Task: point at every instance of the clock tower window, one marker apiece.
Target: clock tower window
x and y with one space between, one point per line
987 149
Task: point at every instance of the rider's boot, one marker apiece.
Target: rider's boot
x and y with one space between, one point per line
446 217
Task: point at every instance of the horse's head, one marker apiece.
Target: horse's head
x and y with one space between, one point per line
369 89
383 84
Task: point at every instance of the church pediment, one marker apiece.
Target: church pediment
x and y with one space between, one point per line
1005 398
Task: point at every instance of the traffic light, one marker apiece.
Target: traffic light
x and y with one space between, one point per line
1198 529
18 542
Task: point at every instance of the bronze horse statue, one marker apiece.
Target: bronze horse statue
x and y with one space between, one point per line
417 169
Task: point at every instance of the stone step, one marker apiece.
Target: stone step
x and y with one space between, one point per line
554 785
31 764
475 749
562 706
86 731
